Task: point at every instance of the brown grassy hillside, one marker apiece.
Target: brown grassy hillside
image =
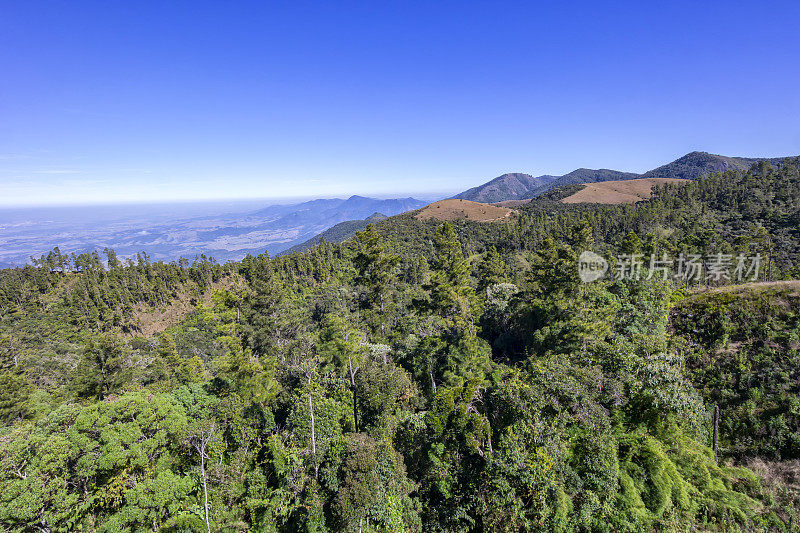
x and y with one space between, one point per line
463 210
618 192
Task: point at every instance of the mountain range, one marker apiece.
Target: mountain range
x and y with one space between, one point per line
511 186
170 232
518 186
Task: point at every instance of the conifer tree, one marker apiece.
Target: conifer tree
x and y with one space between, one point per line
452 297
491 271
375 271
103 368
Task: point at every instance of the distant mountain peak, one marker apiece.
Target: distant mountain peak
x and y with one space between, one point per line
508 186
518 186
696 164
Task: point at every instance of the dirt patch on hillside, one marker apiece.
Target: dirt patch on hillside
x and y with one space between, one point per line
618 192
152 321
464 210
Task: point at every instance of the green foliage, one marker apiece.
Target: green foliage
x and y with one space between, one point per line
111 464
15 390
744 358
374 271
452 297
104 368
368 487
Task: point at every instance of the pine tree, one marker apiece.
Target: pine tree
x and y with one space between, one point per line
491 271
375 271
173 368
452 297
103 368
631 245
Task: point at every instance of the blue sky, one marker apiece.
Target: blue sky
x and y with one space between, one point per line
114 101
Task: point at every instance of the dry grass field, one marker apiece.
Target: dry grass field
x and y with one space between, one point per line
618 192
464 210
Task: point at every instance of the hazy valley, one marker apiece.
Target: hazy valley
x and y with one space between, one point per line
169 232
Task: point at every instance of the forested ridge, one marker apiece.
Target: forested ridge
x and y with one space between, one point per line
419 377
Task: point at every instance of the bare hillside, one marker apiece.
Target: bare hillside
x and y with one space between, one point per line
463 210
618 192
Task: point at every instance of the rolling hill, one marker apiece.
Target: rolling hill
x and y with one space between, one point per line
516 186
618 192
451 209
582 175
457 209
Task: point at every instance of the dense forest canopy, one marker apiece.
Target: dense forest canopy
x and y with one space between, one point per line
452 377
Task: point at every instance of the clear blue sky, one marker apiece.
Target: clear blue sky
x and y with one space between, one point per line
106 101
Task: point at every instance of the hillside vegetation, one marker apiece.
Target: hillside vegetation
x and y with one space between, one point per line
744 355
338 233
422 376
697 164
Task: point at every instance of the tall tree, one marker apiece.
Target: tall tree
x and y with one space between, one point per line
452 297
104 368
491 271
375 271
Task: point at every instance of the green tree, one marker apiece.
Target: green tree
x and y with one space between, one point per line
15 390
374 271
452 298
491 271
631 244
369 487
111 466
171 367
103 369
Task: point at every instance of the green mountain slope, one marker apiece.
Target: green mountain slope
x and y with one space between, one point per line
338 233
512 186
697 164
582 175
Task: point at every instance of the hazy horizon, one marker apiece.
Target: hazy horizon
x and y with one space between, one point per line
233 202
431 194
